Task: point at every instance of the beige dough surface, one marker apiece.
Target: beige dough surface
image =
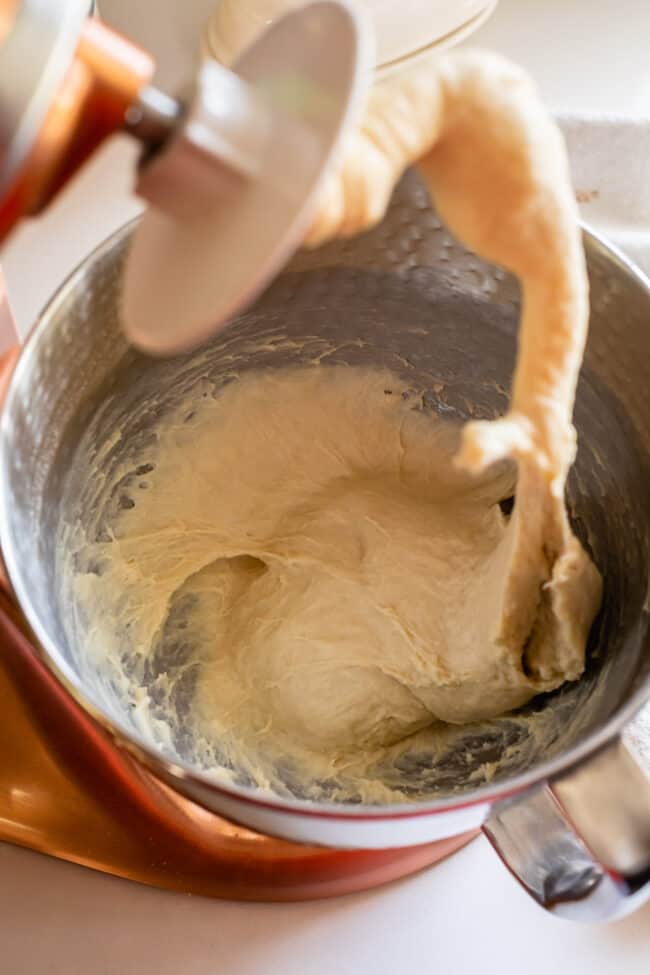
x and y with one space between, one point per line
496 167
344 577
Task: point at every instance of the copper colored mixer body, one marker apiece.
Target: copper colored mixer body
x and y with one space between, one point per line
70 84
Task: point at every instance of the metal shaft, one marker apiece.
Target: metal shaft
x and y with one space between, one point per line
153 118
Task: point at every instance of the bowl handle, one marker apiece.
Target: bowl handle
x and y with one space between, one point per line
580 845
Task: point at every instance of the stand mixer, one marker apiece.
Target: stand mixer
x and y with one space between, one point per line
67 83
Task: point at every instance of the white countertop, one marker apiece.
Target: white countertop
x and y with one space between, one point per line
466 914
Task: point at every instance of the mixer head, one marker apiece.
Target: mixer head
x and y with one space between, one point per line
66 82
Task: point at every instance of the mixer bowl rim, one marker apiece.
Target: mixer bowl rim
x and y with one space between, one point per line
178 772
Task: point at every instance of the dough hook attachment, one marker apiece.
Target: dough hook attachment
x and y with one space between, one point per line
234 189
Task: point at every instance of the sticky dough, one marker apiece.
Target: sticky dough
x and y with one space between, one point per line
497 170
344 576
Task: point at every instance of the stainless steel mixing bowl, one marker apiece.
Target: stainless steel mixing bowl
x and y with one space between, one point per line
569 809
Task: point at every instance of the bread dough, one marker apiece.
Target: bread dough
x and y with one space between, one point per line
497 170
341 577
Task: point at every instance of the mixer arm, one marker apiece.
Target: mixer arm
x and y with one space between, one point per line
67 82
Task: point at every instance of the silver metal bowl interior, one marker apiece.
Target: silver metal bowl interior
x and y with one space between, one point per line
405 296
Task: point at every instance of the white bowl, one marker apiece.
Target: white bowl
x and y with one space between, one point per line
404 29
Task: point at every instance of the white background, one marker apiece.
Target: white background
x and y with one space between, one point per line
464 915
